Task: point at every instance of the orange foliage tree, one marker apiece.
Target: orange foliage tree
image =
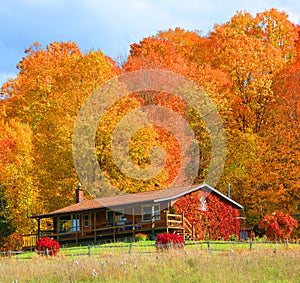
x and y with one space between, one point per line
252 51
47 95
283 137
19 199
161 52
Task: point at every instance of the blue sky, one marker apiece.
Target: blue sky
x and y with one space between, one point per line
111 25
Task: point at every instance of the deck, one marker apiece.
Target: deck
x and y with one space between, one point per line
174 223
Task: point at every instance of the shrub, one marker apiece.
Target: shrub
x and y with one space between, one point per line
13 242
140 237
46 244
167 240
279 225
233 238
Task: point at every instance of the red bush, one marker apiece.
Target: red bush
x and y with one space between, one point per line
44 244
279 225
166 240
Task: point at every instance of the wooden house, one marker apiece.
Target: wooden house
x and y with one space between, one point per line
183 210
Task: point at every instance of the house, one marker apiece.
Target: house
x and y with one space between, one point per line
196 212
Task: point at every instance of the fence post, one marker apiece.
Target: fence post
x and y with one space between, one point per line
47 252
130 249
287 243
208 246
251 243
89 250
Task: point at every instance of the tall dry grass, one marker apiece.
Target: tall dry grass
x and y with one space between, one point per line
173 266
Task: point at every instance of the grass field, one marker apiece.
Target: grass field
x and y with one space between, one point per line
232 263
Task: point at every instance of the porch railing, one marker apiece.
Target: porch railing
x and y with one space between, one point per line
93 234
180 223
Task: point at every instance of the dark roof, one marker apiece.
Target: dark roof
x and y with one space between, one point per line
143 197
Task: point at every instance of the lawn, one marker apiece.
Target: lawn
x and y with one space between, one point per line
193 264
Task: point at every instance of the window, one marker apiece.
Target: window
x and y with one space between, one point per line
69 223
147 212
65 223
119 214
203 203
75 223
86 220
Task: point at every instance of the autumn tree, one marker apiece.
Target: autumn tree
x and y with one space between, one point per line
188 44
19 198
252 50
283 137
160 52
47 95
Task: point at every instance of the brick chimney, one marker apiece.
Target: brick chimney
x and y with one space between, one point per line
79 194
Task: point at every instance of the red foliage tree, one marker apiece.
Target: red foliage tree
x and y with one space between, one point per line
279 225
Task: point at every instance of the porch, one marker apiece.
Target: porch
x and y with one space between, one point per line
80 228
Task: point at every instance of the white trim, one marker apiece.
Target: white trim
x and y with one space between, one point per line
196 189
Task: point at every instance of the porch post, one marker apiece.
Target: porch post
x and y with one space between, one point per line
81 224
133 221
57 228
167 222
77 228
114 224
95 223
153 220
39 228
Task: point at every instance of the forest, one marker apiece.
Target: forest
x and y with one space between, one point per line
249 67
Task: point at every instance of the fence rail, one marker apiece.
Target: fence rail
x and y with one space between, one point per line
139 248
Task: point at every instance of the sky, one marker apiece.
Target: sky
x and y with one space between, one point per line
112 25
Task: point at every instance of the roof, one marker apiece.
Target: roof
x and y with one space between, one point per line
128 199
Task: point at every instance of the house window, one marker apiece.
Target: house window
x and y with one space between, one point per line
119 215
86 220
203 203
69 223
75 223
65 223
147 212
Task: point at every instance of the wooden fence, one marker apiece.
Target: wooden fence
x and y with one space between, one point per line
140 248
